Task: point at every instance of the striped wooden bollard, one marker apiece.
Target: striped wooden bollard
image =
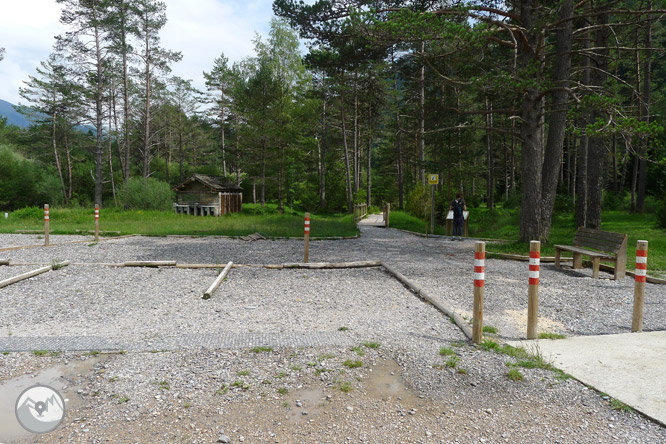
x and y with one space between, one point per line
639 286
306 258
479 284
96 222
46 225
533 290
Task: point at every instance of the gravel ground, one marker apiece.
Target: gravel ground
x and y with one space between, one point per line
401 391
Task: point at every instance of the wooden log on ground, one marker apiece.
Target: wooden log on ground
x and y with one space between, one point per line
151 264
4 262
419 291
216 283
29 231
24 276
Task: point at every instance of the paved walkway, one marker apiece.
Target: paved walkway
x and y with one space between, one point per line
372 220
628 367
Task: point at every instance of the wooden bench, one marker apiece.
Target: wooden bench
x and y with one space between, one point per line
599 246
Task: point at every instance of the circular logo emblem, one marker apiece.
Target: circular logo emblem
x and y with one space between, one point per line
40 409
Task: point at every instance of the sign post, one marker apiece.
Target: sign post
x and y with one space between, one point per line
433 179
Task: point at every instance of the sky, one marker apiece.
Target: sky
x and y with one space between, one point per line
200 29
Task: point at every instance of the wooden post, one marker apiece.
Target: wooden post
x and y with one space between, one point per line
533 290
432 209
96 222
46 225
388 214
306 257
479 283
639 285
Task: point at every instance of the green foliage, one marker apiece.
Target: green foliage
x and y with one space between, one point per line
661 214
22 183
512 202
29 213
417 201
146 194
612 201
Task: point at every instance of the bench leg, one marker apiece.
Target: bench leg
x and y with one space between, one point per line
557 258
595 267
577 261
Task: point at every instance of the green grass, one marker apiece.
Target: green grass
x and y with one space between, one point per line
489 329
352 364
551 336
514 375
446 351
504 224
243 373
161 223
371 344
261 349
620 406
346 387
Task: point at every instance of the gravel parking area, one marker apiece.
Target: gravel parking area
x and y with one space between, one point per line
348 356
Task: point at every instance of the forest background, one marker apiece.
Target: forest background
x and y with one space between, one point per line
547 107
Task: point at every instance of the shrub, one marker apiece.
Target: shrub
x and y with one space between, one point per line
512 202
29 213
612 201
661 214
146 194
473 201
416 201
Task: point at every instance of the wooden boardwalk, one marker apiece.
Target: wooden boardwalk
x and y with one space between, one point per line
373 220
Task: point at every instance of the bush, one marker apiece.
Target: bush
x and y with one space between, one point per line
146 194
29 213
612 201
661 214
512 202
563 203
473 201
416 201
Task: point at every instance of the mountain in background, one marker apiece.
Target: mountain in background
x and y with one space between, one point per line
13 117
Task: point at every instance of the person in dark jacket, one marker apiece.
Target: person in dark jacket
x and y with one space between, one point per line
458 206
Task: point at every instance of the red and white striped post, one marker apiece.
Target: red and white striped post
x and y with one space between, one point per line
46 225
479 284
533 290
639 286
306 258
96 222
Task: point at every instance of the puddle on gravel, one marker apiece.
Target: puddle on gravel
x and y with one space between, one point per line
386 382
56 377
313 401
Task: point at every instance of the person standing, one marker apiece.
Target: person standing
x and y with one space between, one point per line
458 207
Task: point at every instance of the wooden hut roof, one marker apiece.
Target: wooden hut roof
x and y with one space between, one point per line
215 183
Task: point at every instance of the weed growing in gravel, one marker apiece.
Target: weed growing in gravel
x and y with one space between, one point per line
453 321
515 375
46 352
222 390
489 329
319 371
551 336
243 373
446 351
93 353
5 353
266 382
296 368
262 349
325 356
57 264
311 364
240 384
343 328
280 374
462 371
620 406
346 386
459 344
371 344
164 385
187 405
282 391
452 362
159 351
359 350
352 364
123 400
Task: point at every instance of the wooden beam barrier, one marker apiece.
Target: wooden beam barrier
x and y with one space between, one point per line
32 273
4 262
479 284
216 283
533 290
420 292
150 264
639 285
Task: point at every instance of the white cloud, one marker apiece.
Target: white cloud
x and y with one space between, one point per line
200 29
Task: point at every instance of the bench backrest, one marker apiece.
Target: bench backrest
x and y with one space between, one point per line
606 241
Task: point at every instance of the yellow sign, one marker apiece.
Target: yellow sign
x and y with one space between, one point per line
433 179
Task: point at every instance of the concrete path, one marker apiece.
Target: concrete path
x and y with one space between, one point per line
629 367
372 220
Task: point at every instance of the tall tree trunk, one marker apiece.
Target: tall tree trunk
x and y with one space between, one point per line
263 172
645 111
582 154
126 99
57 156
596 147
350 203
558 116
68 158
224 148
146 129
322 157
357 154
489 153
421 148
99 111
530 61
368 177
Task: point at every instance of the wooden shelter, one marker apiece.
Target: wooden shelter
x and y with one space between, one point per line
204 195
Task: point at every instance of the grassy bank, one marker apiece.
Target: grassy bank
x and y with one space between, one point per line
268 222
504 224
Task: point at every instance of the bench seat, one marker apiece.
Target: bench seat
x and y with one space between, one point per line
601 246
